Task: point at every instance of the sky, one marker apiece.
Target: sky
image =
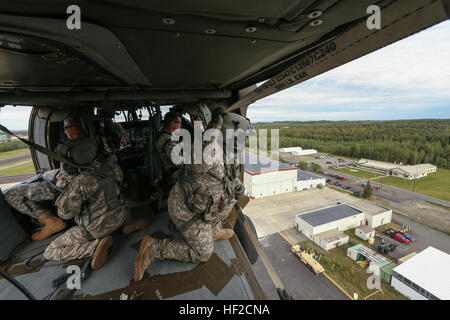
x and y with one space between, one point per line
406 80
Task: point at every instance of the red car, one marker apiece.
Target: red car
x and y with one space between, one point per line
401 238
344 179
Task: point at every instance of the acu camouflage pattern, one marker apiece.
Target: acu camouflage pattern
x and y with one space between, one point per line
164 146
29 198
197 245
76 242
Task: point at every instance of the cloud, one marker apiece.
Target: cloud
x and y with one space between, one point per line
408 79
15 118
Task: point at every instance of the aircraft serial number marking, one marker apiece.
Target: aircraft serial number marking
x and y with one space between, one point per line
295 73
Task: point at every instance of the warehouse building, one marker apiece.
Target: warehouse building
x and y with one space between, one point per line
414 172
424 276
374 215
340 217
296 151
267 177
398 170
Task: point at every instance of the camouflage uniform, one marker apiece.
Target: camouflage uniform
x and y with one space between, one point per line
86 202
28 198
197 245
164 146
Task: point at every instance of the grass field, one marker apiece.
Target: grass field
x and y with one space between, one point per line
349 275
436 184
17 167
363 174
14 153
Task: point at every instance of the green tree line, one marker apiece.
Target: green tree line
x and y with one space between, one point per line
406 141
12 145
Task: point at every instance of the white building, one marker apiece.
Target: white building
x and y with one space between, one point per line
426 276
365 232
305 152
414 172
340 217
293 149
267 177
331 239
307 180
374 215
398 170
296 151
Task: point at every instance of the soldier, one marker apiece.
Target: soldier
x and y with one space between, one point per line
202 197
164 146
93 201
29 198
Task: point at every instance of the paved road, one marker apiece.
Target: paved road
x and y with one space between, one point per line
387 192
16 178
300 282
8 160
423 235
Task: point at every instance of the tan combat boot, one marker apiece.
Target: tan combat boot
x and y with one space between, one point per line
101 253
223 234
143 258
52 224
136 225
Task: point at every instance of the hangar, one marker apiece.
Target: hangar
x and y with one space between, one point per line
424 277
267 177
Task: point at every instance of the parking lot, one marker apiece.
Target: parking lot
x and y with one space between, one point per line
299 280
274 215
326 160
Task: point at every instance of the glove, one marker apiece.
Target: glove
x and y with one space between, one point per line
216 116
62 149
69 169
239 191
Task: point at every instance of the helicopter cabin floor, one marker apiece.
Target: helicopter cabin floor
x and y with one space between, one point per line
227 275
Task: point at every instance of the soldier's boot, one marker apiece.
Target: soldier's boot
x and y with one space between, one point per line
143 258
101 253
223 234
136 225
52 224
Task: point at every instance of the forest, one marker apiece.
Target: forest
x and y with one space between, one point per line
406 141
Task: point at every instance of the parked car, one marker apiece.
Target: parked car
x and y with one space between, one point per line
357 193
407 236
343 178
329 162
328 180
347 187
401 238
